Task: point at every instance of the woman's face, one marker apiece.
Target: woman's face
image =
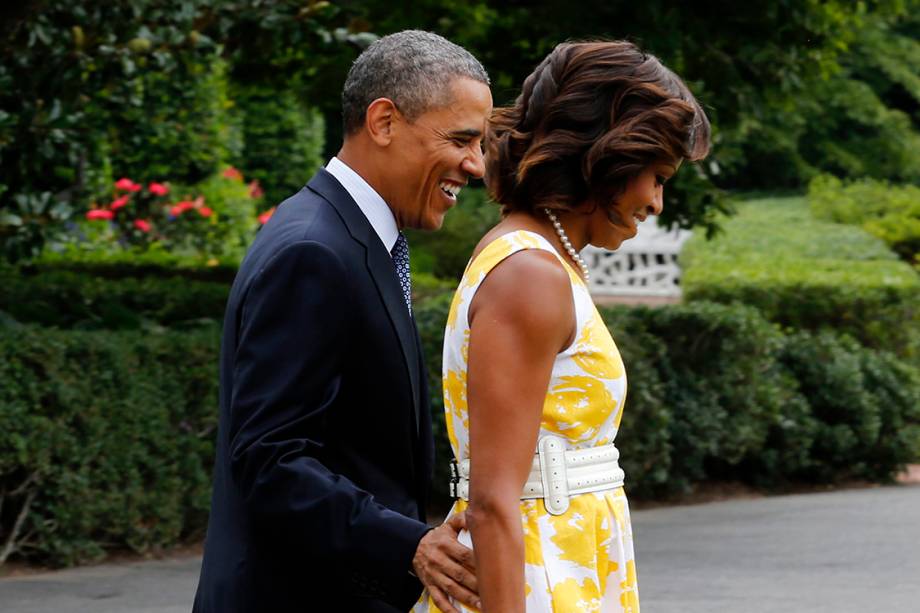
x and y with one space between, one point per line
643 196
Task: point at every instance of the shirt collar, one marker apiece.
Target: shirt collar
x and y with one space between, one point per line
369 201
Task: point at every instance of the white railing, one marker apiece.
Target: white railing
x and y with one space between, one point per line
643 266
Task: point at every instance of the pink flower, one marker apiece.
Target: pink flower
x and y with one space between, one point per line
233 173
180 207
142 224
266 215
119 202
158 189
97 214
127 185
204 211
255 190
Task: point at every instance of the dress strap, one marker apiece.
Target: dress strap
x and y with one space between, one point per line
505 245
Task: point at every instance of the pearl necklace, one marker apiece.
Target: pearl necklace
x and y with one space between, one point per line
567 244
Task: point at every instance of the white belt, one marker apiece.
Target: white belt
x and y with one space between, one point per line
556 473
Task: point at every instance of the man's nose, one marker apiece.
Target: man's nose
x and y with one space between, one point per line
474 164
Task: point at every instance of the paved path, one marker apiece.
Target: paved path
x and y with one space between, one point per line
853 551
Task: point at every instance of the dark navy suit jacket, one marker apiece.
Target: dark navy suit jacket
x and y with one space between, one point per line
324 449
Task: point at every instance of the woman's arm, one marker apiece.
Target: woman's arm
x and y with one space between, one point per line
521 317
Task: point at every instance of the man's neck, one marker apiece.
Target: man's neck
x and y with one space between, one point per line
362 165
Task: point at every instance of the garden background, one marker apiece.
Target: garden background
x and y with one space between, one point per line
143 142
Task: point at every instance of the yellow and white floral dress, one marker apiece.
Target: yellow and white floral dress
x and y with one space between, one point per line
581 560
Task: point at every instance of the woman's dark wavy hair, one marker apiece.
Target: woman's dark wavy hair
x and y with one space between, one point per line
591 116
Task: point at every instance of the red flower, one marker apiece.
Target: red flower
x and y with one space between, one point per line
158 189
119 202
205 211
180 207
99 214
266 215
255 190
142 224
233 173
127 185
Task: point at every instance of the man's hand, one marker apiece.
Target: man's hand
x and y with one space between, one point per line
446 567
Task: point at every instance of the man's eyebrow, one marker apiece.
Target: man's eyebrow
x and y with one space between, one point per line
469 133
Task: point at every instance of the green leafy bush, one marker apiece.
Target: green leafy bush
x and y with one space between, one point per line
808 274
111 432
73 299
721 383
865 407
91 92
107 439
167 118
446 252
203 225
282 140
889 212
716 392
645 435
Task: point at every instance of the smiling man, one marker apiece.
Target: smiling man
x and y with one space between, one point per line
324 450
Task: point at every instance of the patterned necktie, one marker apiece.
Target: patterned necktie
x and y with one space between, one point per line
400 255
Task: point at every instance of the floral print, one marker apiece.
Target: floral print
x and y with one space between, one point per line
581 560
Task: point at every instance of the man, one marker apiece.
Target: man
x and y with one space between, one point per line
324 450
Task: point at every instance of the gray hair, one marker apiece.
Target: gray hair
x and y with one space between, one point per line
412 68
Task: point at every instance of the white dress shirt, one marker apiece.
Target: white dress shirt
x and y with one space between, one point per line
369 201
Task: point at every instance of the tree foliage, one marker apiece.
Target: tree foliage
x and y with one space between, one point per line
766 71
92 90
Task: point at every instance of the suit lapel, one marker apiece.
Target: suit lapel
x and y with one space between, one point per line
380 265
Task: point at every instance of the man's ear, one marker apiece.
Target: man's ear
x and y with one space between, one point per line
379 120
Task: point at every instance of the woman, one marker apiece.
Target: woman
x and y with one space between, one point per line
534 386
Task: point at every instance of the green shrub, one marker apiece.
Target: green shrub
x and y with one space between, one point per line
110 432
75 299
91 92
891 213
154 262
808 274
718 393
645 435
168 120
282 140
865 408
721 385
205 224
231 228
445 253
107 439
431 317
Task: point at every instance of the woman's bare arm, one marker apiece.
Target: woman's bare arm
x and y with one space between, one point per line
521 317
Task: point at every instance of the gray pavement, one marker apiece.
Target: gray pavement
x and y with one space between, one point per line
841 552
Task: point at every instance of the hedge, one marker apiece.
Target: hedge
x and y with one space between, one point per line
108 434
889 212
282 140
808 274
89 300
107 440
718 392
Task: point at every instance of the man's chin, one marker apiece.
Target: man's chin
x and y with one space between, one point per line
433 223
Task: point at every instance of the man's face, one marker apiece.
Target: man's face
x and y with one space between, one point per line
435 155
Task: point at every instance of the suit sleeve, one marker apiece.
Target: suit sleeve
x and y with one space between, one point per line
291 344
